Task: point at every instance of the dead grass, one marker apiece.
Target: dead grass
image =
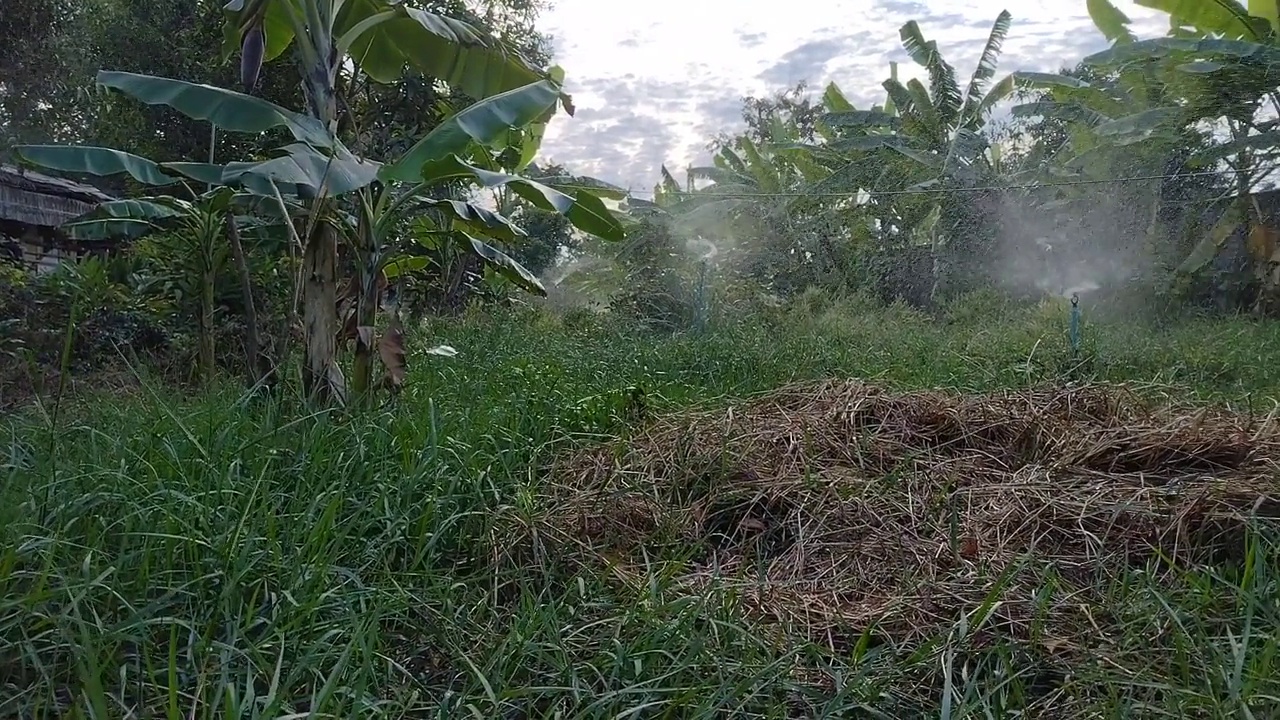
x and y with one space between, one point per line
840 508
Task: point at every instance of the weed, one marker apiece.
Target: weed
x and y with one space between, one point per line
210 557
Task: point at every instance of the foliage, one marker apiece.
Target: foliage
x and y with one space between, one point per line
319 169
795 195
655 287
1112 172
93 298
762 116
31 53
380 39
549 236
1205 87
790 204
54 100
385 564
142 305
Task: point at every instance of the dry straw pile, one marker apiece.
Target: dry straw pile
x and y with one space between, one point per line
830 508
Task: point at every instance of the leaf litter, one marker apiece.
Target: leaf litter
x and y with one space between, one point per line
838 508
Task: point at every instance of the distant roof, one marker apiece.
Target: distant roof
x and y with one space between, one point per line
34 198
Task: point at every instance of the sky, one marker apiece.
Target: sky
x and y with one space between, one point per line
655 85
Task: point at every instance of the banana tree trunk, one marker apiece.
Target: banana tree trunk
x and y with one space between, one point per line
366 310
1157 248
454 290
1252 225
206 311
322 377
937 272
256 366
366 342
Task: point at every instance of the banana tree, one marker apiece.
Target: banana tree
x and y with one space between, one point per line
861 153
551 237
1217 63
751 194
202 221
791 239
319 169
382 212
745 182
1113 123
929 135
938 127
378 38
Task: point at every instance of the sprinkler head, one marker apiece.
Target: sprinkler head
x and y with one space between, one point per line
1075 299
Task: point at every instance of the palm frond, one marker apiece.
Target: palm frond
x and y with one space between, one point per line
932 123
943 88
733 161
720 175
764 172
669 183
986 69
1110 21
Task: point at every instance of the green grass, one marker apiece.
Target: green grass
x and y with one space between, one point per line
217 557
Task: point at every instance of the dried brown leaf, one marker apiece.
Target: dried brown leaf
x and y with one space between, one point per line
391 350
346 307
1056 645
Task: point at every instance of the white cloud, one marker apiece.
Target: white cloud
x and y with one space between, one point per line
654 82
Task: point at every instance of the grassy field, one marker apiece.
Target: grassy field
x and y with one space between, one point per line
218 557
